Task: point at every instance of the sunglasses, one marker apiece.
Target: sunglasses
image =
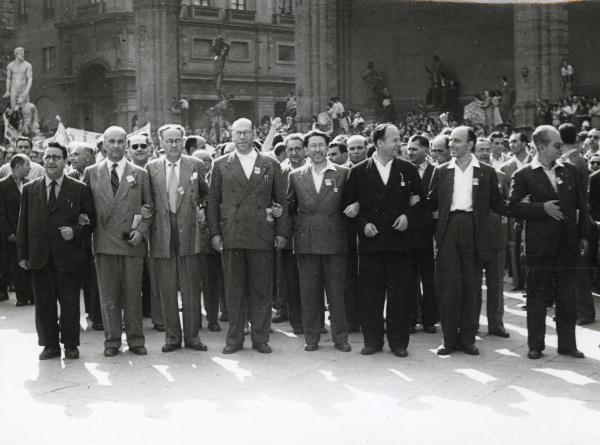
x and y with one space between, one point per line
138 146
595 163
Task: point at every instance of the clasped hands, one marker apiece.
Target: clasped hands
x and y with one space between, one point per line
400 224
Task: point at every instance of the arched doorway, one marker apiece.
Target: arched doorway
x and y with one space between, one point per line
96 105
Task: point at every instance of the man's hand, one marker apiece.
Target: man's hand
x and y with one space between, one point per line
135 238
217 243
280 242
552 209
146 211
83 220
370 230
66 233
276 210
352 210
401 223
583 247
24 264
12 239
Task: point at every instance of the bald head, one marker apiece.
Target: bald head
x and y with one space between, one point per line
114 143
242 133
547 142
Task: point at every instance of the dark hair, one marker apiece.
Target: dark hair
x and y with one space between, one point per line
568 133
24 138
496 134
379 132
190 142
522 136
421 140
279 148
278 138
18 159
341 145
320 133
60 147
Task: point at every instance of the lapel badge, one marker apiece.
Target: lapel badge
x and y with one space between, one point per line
558 180
257 170
194 176
180 190
328 182
475 181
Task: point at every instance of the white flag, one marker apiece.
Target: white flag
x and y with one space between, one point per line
143 130
10 132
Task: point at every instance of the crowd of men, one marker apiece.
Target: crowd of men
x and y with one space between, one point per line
381 234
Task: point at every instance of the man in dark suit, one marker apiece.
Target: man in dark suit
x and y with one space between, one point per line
50 243
122 197
83 155
586 312
387 193
462 193
244 187
315 204
178 192
11 188
423 301
550 196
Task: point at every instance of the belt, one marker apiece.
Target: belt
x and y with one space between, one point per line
461 212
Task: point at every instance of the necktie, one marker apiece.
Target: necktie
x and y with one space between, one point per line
114 179
172 185
52 195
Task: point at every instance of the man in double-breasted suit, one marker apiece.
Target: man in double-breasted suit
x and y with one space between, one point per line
178 192
315 204
389 195
244 186
120 189
10 201
50 243
462 192
550 195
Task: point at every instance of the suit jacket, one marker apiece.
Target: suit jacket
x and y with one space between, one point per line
237 206
10 202
381 204
38 237
193 191
543 233
498 223
285 171
319 224
486 197
595 196
509 168
115 214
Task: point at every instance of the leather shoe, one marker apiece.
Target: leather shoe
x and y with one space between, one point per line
49 352
263 348
470 349
401 352
584 321
534 355
97 326
445 350
71 352
138 350
230 349
170 347
279 317
298 331
430 329
370 350
223 318
311 347
214 327
344 347
110 352
500 333
197 347
159 327
575 353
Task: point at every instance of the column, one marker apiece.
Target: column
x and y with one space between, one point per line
541 44
157 59
316 58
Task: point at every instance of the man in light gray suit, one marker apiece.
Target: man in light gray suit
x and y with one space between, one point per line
178 192
120 190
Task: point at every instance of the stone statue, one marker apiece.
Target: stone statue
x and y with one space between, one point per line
221 50
19 76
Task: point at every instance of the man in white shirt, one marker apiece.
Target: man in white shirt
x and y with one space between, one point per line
24 145
497 156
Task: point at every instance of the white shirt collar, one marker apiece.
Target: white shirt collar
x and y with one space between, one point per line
328 166
58 181
535 163
474 162
375 158
168 163
568 154
423 166
120 164
251 155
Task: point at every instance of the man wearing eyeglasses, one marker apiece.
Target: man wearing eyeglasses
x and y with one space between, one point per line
593 142
120 190
245 186
50 243
178 192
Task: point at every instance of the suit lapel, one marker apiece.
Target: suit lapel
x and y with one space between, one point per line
374 176
185 173
543 179
62 194
447 188
42 192
104 180
258 171
161 183
124 187
235 169
308 184
477 181
331 177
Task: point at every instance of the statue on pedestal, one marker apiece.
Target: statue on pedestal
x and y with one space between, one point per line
19 76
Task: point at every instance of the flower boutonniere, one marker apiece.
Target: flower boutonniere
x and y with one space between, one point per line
131 180
559 180
180 190
195 176
475 181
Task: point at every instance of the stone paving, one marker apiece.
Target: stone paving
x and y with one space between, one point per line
297 397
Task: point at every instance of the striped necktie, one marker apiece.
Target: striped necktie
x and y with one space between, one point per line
114 179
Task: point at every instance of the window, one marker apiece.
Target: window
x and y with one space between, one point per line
240 5
49 8
285 53
48 58
201 49
239 51
285 7
203 3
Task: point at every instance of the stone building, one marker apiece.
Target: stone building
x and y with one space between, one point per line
98 62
